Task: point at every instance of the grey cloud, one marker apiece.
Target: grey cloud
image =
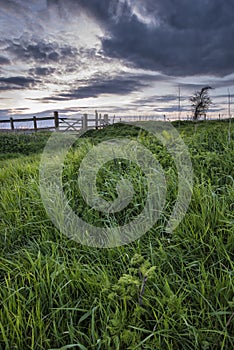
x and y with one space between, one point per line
186 37
191 87
155 100
17 113
221 83
225 97
21 109
16 83
181 38
114 86
40 51
164 110
4 60
99 85
53 56
96 8
8 87
42 71
11 6
4 113
157 103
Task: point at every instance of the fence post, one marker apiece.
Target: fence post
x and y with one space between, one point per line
85 122
56 120
35 122
12 123
96 120
106 119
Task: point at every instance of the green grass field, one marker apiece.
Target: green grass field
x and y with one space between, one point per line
161 292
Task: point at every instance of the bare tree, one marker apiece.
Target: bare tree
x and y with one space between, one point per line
200 102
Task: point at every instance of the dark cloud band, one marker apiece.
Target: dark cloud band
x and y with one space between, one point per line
182 38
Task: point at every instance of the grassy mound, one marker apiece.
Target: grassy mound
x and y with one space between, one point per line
160 292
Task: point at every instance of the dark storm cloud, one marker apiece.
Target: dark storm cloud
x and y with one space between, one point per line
4 60
99 85
10 6
182 38
113 86
40 51
16 83
42 71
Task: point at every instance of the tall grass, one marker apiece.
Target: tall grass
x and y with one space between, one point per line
160 292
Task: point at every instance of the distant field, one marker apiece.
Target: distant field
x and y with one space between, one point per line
163 291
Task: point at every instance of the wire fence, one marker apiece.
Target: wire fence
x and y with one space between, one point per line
85 121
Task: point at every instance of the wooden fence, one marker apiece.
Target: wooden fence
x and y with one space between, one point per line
82 122
73 123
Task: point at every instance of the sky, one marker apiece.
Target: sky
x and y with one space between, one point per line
123 57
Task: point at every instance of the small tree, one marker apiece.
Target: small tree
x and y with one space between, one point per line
200 102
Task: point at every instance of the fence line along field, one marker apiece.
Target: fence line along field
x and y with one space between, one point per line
85 121
56 122
164 291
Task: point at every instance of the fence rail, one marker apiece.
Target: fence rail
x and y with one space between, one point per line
59 123
85 122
